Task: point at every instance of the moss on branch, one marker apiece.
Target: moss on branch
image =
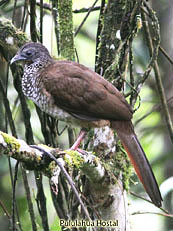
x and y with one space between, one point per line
35 159
11 38
66 29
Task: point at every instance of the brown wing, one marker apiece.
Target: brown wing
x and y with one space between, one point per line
83 93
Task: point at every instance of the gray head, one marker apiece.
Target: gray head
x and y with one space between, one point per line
31 52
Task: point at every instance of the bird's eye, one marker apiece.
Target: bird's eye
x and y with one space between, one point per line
28 53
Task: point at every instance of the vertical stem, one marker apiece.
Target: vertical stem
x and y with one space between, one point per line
66 29
66 37
99 29
41 21
7 110
163 100
33 30
22 26
111 20
14 11
29 201
56 27
158 80
41 201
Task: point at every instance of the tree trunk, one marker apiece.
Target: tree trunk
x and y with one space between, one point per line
101 179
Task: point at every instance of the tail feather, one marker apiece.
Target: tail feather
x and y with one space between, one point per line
138 158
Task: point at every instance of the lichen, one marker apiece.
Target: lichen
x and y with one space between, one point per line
66 29
118 166
51 166
11 141
73 158
122 165
7 30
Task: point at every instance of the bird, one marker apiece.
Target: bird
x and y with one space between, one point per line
79 96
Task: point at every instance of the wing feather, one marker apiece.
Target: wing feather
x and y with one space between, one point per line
83 93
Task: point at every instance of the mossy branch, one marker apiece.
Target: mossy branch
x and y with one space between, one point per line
66 29
96 172
11 38
34 159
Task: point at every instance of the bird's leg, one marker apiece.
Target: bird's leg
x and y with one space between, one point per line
81 136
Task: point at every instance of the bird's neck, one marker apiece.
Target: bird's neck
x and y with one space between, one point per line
31 83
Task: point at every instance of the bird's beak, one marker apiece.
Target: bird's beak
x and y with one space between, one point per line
17 57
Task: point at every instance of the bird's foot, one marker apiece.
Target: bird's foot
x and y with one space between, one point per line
75 146
77 143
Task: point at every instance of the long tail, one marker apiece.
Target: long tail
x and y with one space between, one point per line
138 158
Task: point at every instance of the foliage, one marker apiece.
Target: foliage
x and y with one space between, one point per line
130 67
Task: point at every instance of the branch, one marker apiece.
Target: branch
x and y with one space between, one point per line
85 18
33 158
96 172
11 38
157 72
47 6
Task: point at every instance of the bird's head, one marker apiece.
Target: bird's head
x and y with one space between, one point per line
31 52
